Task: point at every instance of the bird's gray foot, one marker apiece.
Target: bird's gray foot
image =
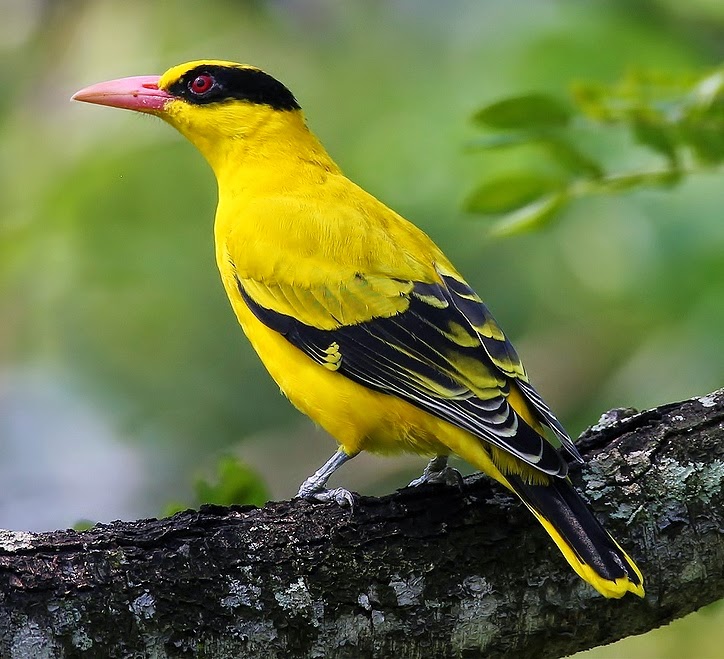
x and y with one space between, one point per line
339 495
314 486
438 471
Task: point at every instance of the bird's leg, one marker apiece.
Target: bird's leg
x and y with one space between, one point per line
438 471
314 486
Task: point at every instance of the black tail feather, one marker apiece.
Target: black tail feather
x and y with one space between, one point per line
595 555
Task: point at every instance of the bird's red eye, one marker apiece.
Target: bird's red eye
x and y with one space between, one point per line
201 84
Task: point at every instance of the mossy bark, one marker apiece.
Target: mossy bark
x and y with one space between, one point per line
429 572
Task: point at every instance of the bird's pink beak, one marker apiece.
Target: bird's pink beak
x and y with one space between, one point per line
139 93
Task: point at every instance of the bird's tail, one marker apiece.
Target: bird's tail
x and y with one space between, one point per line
595 556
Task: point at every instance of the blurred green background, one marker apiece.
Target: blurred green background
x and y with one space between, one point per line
123 374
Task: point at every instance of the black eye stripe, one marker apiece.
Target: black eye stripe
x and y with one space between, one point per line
230 82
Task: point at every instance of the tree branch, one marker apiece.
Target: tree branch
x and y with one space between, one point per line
430 572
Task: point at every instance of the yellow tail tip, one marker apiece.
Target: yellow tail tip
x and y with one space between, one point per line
613 589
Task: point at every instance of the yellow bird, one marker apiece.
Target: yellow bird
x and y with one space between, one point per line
358 316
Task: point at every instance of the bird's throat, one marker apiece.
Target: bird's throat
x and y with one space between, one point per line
248 147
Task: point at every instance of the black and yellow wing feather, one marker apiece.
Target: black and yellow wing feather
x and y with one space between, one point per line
437 346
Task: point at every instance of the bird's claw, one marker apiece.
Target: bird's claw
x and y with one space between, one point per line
445 476
339 495
343 498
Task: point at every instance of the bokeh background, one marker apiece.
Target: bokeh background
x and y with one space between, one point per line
123 374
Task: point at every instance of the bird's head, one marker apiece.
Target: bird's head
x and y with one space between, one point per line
208 101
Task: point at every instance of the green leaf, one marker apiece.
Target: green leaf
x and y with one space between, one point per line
236 483
533 216
654 132
571 157
702 129
707 145
526 111
509 192
563 152
83 525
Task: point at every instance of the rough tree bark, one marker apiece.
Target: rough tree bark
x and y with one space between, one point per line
430 572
